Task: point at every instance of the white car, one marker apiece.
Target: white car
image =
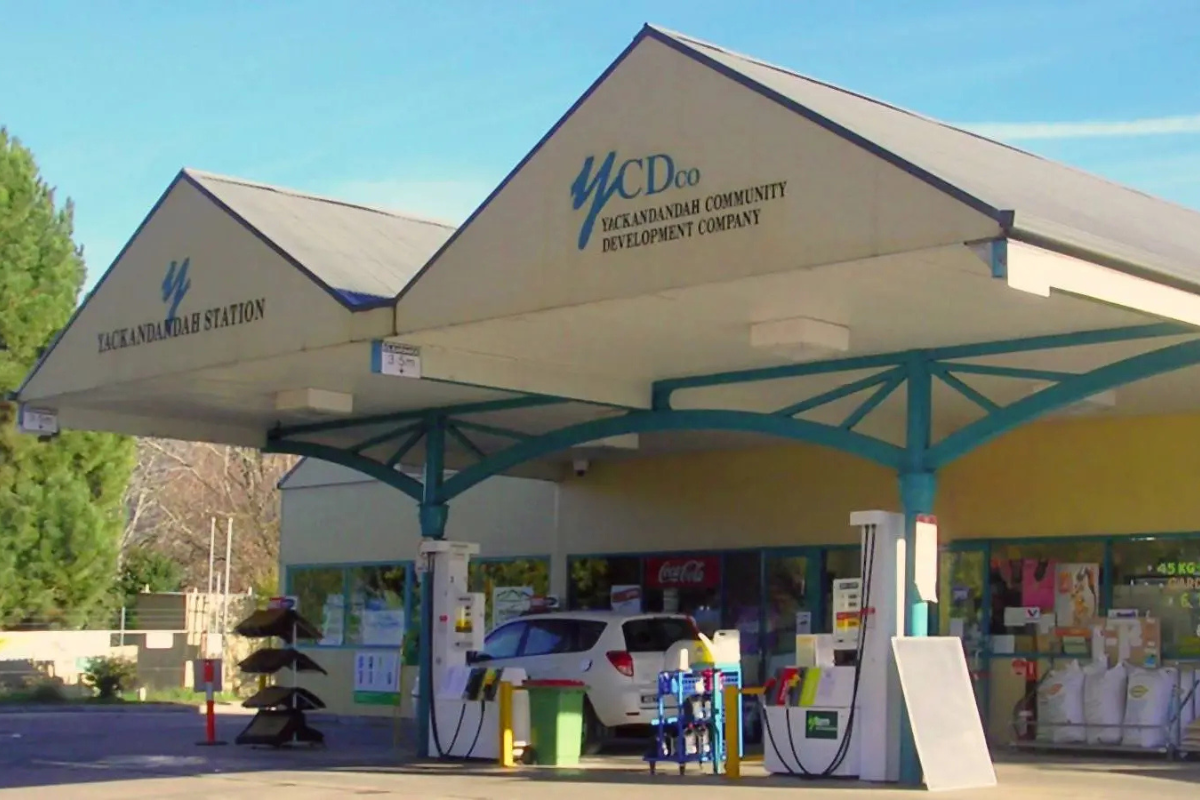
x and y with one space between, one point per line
618 656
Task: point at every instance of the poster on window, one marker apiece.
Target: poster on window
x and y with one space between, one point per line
382 626
1077 594
510 602
626 599
376 678
333 617
1038 579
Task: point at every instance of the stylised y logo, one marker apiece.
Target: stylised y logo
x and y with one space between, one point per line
175 286
598 189
634 177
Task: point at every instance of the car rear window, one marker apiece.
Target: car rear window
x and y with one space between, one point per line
587 633
657 634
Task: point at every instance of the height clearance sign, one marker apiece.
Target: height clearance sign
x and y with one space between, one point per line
683 572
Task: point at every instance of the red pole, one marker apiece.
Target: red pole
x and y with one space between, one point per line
210 717
210 723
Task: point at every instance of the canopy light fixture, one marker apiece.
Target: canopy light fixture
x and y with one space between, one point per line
624 441
314 401
800 338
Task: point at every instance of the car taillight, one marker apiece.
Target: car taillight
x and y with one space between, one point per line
622 661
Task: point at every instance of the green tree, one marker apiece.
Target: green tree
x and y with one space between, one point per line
146 570
61 511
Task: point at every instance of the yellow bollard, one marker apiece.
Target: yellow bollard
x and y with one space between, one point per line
505 697
733 724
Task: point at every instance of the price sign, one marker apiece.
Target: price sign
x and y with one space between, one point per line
1173 568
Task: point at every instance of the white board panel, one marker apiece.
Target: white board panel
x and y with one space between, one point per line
941 706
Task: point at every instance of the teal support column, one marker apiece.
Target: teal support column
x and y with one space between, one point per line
433 515
918 485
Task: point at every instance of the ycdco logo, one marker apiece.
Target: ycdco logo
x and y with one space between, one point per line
632 178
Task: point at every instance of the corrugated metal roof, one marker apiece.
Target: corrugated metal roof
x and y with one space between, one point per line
363 255
1052 203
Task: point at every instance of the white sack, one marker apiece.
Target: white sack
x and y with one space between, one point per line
1148 706
1104 693
1060 706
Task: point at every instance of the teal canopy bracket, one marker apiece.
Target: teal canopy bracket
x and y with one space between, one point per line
343 457
867 447
1066 392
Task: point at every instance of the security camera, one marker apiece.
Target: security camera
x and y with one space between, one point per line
581 466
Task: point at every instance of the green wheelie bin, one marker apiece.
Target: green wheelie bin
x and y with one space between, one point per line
556 721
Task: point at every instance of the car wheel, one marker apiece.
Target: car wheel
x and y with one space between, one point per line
595 734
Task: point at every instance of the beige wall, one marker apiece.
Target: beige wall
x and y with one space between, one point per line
342 521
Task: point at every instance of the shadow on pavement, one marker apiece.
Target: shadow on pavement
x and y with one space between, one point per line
63 748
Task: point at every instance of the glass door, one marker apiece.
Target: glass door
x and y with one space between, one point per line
962 608
792 585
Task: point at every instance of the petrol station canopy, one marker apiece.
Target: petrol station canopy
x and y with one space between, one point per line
701 231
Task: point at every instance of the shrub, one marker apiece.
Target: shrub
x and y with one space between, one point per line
47 692
110 676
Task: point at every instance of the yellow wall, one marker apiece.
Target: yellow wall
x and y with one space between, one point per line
773 496
1082 476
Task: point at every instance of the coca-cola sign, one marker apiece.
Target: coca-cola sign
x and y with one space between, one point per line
683 572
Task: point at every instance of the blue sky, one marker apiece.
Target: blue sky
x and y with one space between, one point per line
425 106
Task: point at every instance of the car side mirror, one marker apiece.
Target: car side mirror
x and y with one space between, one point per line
477 657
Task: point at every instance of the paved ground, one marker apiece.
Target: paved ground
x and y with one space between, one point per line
101 755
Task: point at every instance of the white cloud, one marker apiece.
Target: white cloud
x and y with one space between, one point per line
1151 126
452 201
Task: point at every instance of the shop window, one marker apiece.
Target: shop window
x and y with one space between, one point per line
321 595
787 609
375 616
743 604
1160 578
1044 595
509 586
599 584
960 607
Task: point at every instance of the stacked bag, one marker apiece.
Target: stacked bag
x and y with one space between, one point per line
1096 705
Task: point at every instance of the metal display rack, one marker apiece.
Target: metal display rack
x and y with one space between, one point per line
281 709
689 726
1176 740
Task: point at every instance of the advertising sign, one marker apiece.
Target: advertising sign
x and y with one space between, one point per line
683 572
820 725
376 678
510 602
626 598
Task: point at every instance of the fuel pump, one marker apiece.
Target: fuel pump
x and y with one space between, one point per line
848 716
463 714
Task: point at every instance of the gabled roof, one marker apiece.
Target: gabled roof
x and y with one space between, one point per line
1039 200
362 254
